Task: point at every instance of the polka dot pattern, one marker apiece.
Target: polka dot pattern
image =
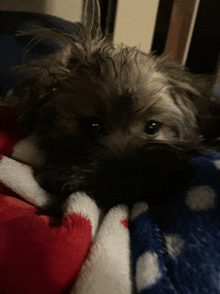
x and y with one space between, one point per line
201 198
147 271
216 164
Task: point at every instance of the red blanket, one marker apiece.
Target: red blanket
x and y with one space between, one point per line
43 254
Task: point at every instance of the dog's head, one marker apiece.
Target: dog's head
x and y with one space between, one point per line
111 116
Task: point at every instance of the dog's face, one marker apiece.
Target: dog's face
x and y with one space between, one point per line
113 121
119 107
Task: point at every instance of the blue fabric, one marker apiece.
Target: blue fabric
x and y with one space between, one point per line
183 251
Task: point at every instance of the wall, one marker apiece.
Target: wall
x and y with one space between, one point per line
67 9
135 23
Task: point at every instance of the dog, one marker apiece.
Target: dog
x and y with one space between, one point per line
113 121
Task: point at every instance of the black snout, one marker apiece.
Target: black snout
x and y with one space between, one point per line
154 173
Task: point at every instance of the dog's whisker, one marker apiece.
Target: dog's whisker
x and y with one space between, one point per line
31 45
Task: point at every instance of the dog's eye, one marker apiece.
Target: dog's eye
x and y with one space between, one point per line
92 126
152 127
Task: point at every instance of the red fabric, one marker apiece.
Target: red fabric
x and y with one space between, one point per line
9 122
38 253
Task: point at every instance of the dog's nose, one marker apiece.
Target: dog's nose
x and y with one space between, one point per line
153 173
136 142
122 140
120 143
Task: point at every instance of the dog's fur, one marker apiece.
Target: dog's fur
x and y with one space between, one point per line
114 122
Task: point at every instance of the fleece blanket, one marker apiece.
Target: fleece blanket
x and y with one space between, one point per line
120 252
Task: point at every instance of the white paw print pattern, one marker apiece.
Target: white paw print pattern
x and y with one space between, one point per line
201 198
147 270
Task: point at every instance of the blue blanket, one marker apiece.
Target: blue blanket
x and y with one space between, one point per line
182 254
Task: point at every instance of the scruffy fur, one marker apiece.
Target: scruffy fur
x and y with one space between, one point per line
113 121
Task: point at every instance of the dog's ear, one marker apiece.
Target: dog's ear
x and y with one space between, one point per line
193 95
45 74
37 90
209 117
24 98
75 48
207 106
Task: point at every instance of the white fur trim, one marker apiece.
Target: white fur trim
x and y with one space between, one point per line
107 268
81 203
19 178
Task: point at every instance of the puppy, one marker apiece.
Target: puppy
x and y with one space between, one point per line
113 121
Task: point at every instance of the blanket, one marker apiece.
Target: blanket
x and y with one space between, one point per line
124 251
